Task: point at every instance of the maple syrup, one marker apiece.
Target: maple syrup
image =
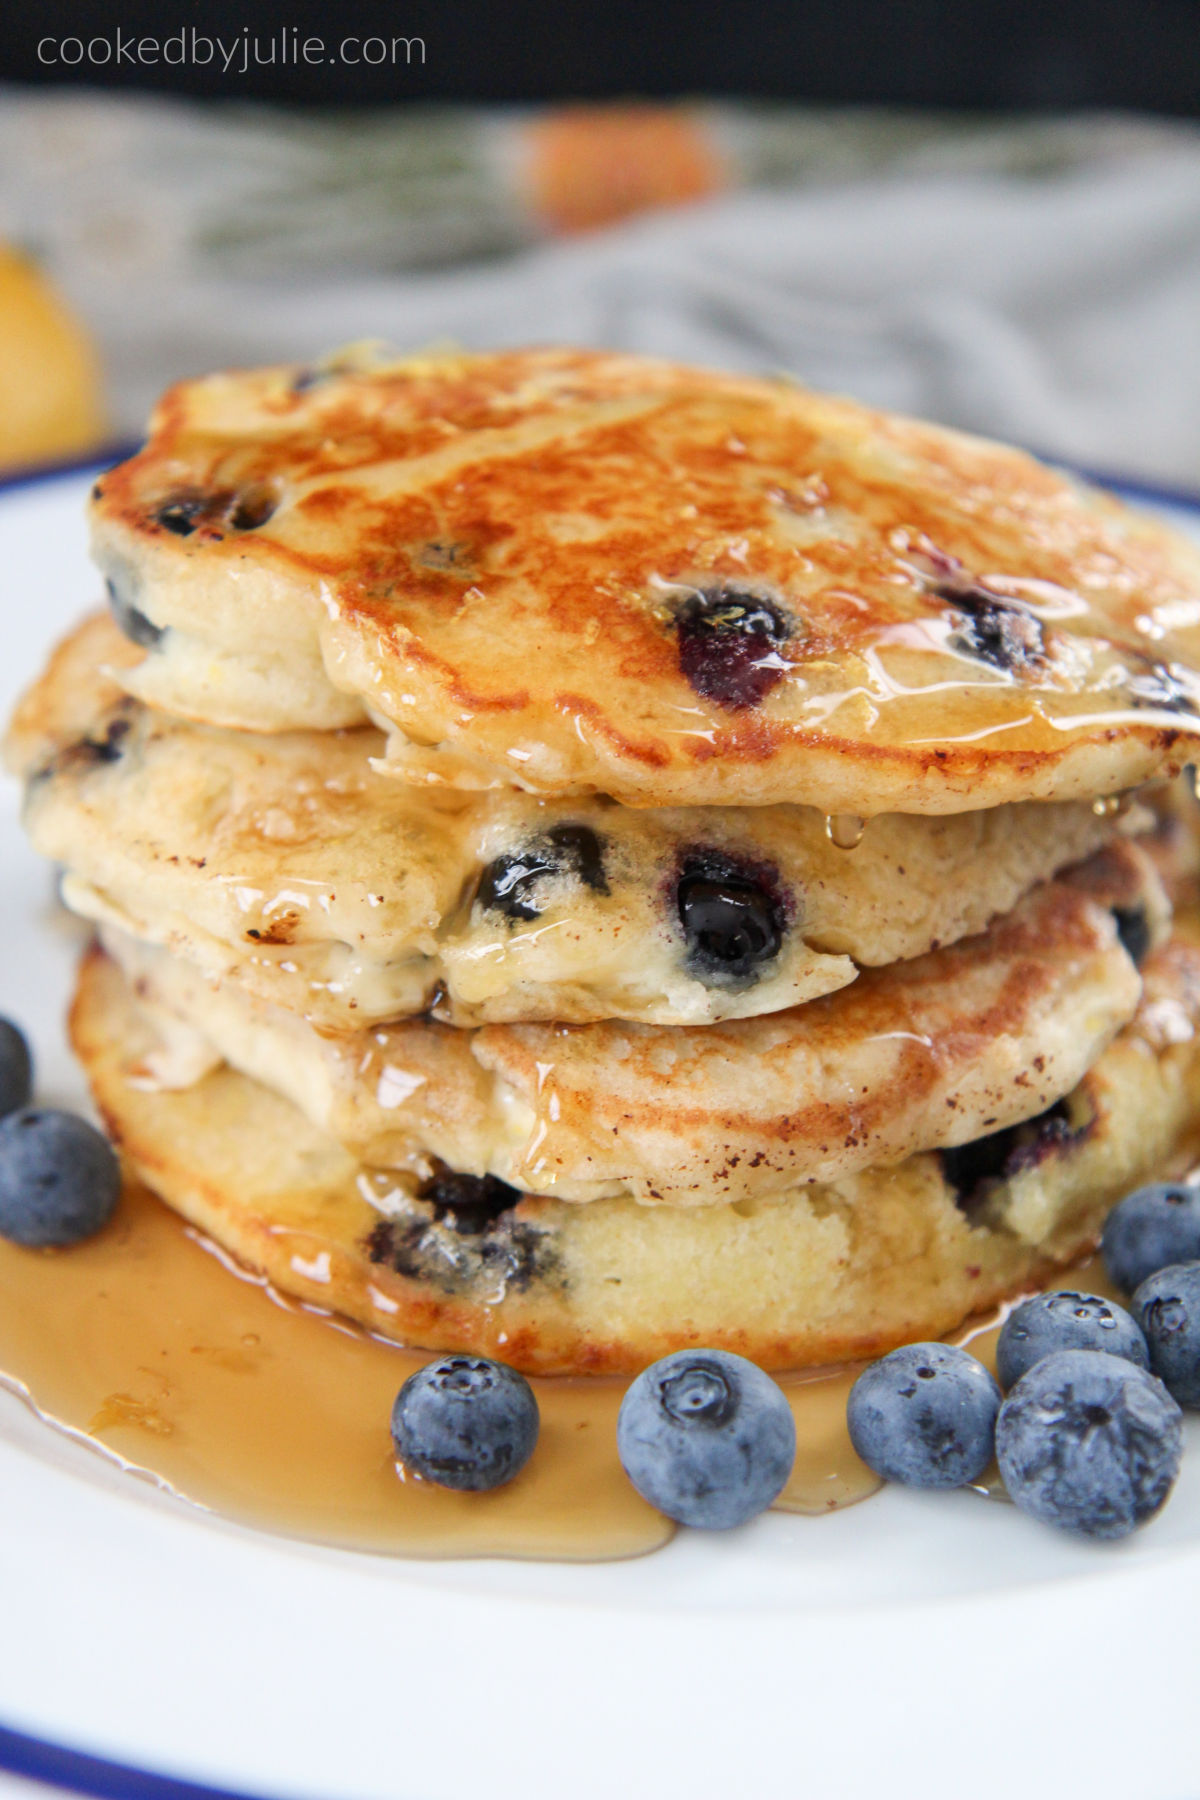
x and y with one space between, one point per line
185 1366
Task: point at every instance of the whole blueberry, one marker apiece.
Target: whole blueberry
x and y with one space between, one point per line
1167 1305
1065 1320
707 1438
465 1422
59 1178
1090 1443
16 1069
1151 1229
925 1416
730 926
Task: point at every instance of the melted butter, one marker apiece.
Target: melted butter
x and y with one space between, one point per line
186 1369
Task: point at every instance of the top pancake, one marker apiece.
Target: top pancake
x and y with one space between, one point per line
580 572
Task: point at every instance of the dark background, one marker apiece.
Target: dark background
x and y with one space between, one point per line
974 53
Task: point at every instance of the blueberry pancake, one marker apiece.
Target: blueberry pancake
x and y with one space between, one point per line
814 1275
916 1056
286 864
575 572
593 856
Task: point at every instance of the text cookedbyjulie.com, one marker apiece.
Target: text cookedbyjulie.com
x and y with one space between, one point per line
191 48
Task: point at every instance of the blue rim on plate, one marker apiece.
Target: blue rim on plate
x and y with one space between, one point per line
103 457
1130 489
75 1771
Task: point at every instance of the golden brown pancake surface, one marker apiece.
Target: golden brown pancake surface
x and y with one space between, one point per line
576 571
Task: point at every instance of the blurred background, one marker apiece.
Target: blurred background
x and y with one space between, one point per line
987 213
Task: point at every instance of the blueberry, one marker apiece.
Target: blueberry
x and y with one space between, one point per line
1089 1443
135 625
1167 1306
1065 1321
1133 929
581 851
732 917
998 632
1167 686
509 883
973 1169
244 510
59 1178
465 1422
16 1069
728 645
1149 1230
182 513
106 746
252 507
707 1438
467 1203
925 1416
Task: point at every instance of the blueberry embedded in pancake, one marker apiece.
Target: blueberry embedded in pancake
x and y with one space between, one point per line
134 624
729 645
575 572
462 1231
510 882
214 513
733 913
915 1056
975 1170
995 627
290 865
816 1275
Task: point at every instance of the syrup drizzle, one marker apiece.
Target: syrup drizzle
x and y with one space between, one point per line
845 830
185 1367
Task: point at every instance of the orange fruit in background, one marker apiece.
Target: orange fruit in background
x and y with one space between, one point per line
51 403
589 166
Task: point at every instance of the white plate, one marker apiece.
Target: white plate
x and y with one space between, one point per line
917 1644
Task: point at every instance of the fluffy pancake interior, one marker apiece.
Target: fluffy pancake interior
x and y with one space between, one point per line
287 865
917 1055
818 1274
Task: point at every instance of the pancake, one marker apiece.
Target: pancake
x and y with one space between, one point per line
919 1055
820 1274
1173 840
575 572
287 865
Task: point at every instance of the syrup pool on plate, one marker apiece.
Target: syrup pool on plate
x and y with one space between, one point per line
187 1368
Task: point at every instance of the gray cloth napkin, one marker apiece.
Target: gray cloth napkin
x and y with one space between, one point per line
1053 299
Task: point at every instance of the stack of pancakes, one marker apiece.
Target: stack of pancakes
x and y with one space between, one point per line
592 856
